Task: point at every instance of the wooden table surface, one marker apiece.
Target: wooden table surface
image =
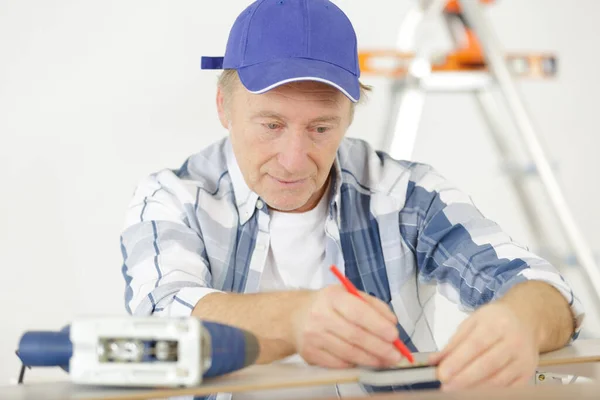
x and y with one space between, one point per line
281 376
65 391
574 391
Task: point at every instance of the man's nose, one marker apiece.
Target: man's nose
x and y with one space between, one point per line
293 151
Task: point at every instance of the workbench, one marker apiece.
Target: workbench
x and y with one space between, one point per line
581 358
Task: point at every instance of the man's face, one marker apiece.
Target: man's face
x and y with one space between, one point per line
285 140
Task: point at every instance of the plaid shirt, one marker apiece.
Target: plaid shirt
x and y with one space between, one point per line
397 229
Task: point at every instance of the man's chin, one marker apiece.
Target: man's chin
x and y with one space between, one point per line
291 205
285 207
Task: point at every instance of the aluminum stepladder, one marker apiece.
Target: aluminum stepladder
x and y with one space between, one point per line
476 68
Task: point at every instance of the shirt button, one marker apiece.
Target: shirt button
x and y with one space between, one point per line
259 204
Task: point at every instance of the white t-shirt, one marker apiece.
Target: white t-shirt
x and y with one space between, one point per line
296 260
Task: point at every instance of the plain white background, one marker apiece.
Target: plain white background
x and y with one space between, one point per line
95 95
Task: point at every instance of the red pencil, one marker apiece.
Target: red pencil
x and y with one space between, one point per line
351 289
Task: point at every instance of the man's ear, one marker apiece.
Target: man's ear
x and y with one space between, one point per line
221 108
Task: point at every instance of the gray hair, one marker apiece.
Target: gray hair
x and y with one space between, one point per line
229 78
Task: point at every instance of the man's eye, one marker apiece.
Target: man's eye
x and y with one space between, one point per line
273 126
322 129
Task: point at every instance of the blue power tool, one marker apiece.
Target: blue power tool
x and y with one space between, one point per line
141 351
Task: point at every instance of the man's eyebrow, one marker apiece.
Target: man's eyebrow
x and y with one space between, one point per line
331 118
274 115
267 114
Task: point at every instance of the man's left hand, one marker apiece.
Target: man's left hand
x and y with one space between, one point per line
492 348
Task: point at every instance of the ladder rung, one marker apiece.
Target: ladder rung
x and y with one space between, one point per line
455 81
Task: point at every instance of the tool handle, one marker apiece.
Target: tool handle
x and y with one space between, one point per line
231 349
46 348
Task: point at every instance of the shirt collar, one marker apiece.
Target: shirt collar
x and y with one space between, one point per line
335 190
247 201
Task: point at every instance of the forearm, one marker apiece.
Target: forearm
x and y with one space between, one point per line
267 315
541 307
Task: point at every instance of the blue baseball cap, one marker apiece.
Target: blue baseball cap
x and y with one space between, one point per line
274 42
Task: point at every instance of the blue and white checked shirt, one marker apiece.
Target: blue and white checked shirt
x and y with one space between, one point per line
397 229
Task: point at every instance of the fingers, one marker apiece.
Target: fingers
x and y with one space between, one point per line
434 358
358 346
464 329
351 353
491 364
461 355
350 329
323 358
511 375
504 377
521 381
362 314
491 348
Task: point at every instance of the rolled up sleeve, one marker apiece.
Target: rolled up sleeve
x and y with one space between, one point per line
471 259
165 266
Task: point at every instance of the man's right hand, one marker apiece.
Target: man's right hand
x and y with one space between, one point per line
335 329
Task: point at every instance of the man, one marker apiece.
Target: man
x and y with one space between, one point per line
245 231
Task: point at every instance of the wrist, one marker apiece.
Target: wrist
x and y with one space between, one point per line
544 311
298 314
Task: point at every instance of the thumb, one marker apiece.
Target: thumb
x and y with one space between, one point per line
435 358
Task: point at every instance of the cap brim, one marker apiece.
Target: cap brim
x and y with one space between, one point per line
262 77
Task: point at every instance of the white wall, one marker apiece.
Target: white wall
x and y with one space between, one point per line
95 95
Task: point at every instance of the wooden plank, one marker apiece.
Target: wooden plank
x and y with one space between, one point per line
263 377
258 377
582 351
